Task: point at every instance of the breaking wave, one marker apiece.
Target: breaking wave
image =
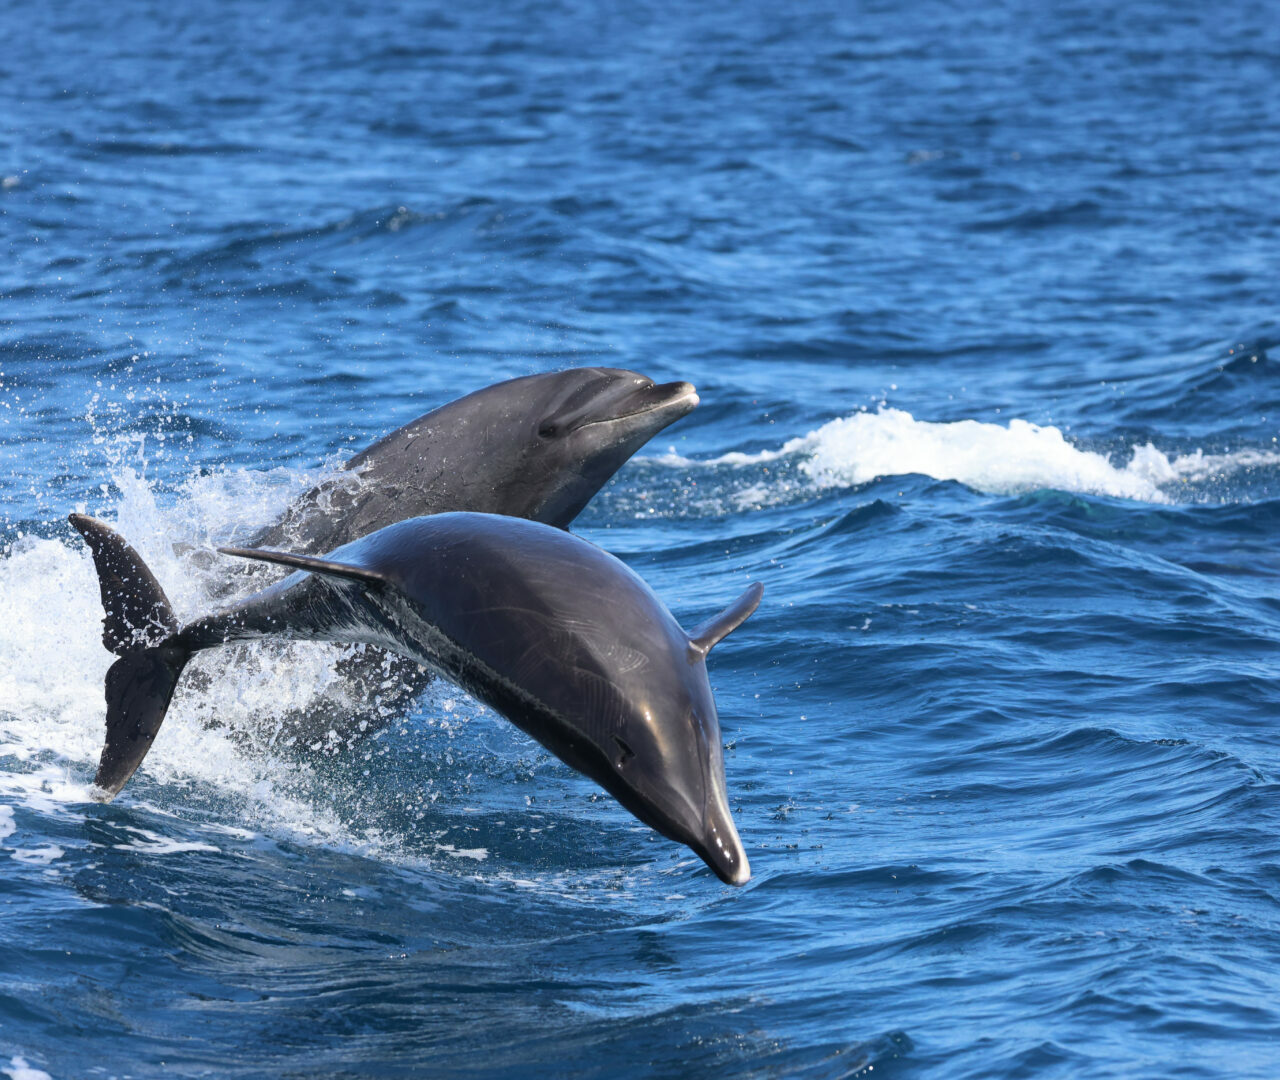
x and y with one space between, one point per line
991 458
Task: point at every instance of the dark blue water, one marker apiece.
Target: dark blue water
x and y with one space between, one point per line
981 303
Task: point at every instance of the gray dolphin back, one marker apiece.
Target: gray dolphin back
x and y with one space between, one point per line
537 447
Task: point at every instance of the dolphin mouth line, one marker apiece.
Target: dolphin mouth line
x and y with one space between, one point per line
690 396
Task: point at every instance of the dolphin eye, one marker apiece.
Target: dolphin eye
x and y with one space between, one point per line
625 753
549 430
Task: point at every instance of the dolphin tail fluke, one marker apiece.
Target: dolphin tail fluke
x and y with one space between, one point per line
706 635
139 688
138 625
136 612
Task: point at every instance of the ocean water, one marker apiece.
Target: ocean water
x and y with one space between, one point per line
981 303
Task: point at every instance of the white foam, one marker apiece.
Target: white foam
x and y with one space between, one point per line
18 1069
217 737
47 787
154 844
992 458
42 855
479 853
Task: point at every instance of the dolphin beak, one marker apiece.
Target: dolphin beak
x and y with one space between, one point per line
720 848
650 408
676 399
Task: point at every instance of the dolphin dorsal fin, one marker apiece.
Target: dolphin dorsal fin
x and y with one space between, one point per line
704 636
310 564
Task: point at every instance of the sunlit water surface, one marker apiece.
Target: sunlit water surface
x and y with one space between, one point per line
981 303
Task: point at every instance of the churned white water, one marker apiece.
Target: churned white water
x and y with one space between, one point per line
229 714
991 458
18 1069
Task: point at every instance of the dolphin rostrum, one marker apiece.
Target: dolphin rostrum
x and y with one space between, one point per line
557 635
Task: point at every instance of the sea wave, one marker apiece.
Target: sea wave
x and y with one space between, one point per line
997 459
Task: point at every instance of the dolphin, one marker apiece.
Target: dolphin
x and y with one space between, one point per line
538 447
555 634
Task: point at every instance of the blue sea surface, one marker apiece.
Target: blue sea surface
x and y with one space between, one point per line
981 303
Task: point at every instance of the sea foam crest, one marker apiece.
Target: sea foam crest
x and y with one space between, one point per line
992 458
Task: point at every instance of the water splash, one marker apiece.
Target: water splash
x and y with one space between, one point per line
18 1069
231 732
991 458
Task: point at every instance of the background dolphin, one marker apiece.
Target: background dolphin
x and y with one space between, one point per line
538 447
558 636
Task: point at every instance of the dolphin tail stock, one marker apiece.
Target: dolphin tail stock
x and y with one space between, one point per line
706 635
139 626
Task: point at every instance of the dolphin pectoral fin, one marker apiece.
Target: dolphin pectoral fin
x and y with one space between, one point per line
310 564
707 634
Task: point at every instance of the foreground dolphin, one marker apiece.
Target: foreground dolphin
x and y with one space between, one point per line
537 447
558 636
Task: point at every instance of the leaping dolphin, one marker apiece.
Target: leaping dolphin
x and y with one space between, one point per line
555 634
537 447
